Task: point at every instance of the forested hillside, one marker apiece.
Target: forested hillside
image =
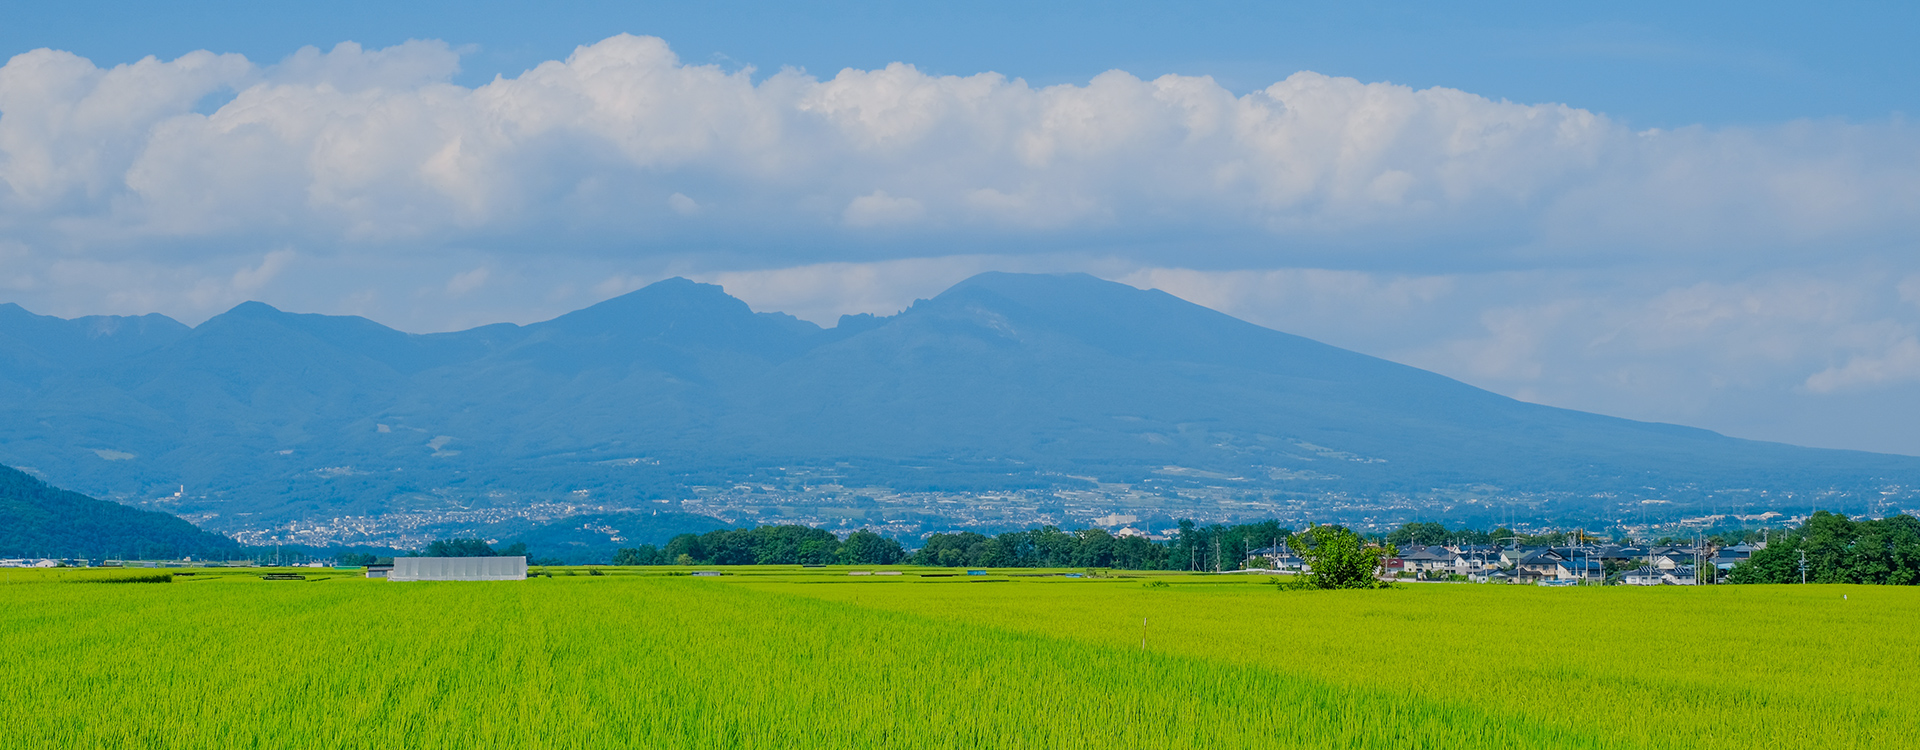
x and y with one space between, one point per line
40 520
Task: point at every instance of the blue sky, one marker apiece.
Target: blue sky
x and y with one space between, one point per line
1699 213
1653 64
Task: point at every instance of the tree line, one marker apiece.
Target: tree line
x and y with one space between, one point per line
767 545
1830 547
1192 547
1834 549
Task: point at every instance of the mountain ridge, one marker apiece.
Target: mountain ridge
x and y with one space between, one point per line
1075 394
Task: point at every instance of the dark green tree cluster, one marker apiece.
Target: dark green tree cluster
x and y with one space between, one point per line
1044 547
1838 550
1427 533
1194 547
767 545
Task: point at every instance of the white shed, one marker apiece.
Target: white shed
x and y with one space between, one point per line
458 569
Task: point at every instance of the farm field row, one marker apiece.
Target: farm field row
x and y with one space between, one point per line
772 657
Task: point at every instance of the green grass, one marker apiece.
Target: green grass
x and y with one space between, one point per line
779 657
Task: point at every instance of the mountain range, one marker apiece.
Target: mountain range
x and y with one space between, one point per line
1009 398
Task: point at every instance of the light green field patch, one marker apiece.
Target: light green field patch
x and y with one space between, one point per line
789 658
1725 666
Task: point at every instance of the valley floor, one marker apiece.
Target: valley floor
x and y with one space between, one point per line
785 657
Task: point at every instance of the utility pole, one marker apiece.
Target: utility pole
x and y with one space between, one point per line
1803 566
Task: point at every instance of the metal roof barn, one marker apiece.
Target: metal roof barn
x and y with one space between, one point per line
458 569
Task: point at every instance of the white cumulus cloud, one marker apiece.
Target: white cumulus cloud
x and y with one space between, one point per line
880 209
1900 362
354 146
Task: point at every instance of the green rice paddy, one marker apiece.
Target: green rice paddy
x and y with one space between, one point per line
785 657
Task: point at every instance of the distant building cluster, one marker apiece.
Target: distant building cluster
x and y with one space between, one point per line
1547 566
42 562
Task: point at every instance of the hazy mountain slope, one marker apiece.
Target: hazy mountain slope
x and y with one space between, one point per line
1003 380
34 347
595 537
1073 371
39 520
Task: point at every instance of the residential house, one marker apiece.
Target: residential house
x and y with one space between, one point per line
1510 556
1279 557
1653 576
1618 555
1581 569
1727 557
1428 562
1469 563
1538 564
1669 558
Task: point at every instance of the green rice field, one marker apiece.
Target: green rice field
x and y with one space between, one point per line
815 658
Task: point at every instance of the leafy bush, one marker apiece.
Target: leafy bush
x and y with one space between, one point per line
1337 558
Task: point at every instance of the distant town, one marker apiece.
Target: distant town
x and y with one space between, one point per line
814 497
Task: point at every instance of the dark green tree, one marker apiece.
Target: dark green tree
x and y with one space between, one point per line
1094 549
684 545
1778 563
1828 540
864 547
645 554
1337 558
729 547
1135 553
949 550
1419 533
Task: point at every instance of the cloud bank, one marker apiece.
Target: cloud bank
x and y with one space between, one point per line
624 141
1539 249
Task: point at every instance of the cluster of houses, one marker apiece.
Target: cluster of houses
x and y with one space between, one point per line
1547 566
40 562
